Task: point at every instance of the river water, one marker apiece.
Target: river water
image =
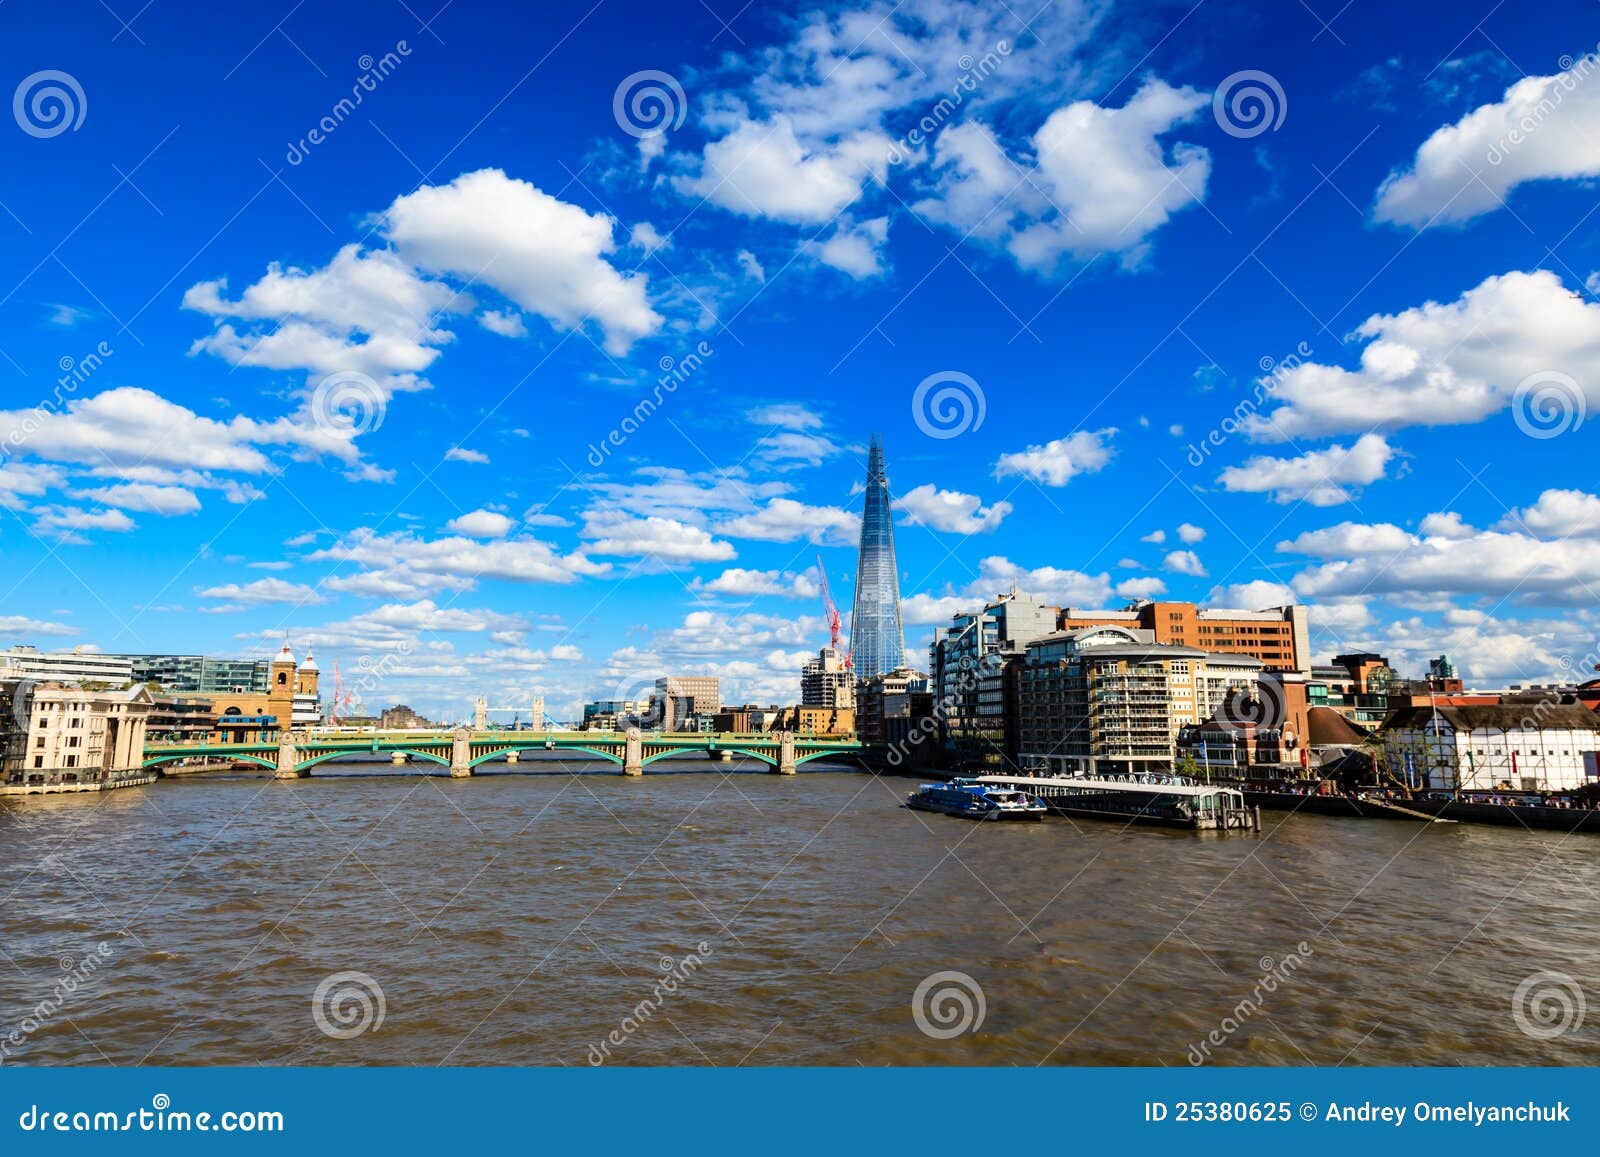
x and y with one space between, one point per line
697 917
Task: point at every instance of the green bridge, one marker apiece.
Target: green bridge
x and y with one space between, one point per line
294 755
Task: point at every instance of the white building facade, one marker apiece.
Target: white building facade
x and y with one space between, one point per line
1541 746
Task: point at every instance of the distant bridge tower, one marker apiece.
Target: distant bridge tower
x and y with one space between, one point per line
538 713
480 714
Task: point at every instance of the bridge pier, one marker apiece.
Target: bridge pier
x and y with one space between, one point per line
633 753
461 753
785 753
511 757
399 759
722 756
286 759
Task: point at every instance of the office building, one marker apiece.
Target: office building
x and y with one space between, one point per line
1278 636
877 642
826 682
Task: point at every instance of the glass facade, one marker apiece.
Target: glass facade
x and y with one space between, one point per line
877 643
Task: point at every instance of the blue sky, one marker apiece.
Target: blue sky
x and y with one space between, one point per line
1254 304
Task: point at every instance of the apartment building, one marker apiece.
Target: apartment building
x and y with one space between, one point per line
80 736
682 700
972 690
1279 636
827 681
1110 698
77 666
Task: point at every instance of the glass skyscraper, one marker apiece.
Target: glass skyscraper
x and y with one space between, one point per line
877 645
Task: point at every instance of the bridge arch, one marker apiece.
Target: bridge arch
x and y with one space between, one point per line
173 757
306 765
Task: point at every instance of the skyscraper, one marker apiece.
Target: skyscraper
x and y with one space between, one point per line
876 643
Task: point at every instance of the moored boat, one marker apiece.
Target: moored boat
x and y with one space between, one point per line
972 800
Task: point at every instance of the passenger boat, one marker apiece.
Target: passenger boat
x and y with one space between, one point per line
1153 798
975 801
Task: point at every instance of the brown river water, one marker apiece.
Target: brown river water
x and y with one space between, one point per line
697 917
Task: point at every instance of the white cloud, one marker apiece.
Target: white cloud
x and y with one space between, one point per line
263 591
1256 595
547 255
369 313
1190 533
1057 463
22 627
950 510
1100 180
456 557
166 500
1184 562
1543 128
1141 588
1443 364
127 427
787 415
1318 477
997 574
853 248
665 540
785 520
505 322
761 169
63 522
1557 514
741 583
481 524
1155 537
462 454
1384 560
646 238
793 446
751 267
21 480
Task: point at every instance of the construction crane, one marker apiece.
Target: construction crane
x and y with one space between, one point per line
831 613
343 700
